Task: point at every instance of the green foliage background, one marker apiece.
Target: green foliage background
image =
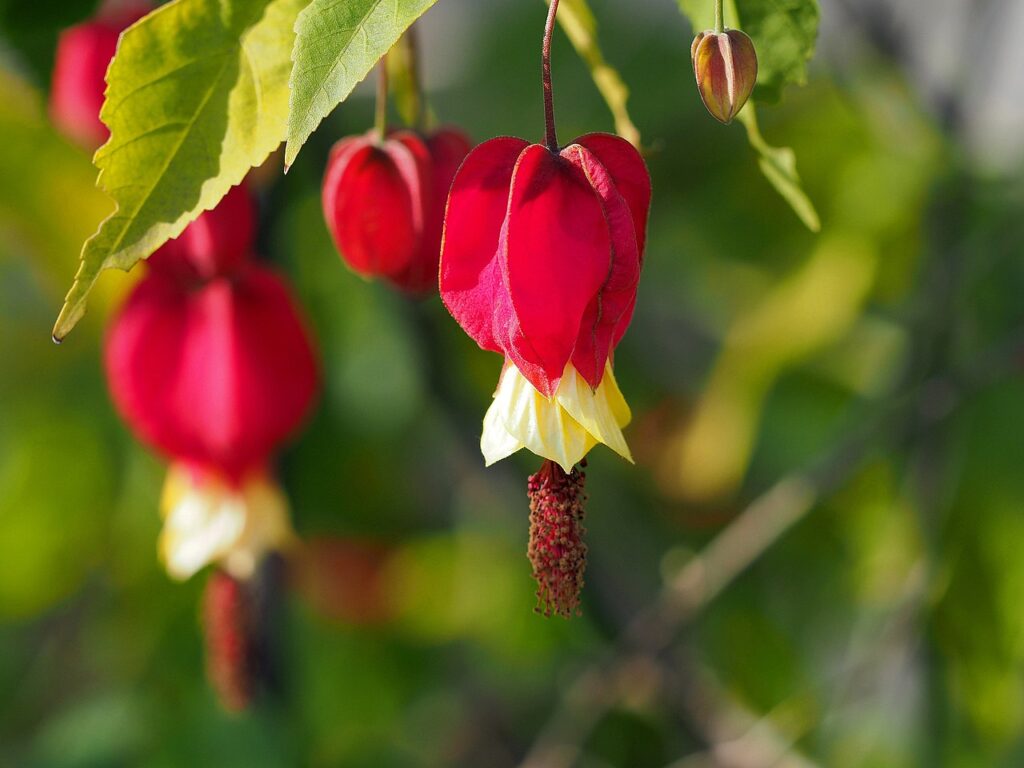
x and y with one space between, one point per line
883 630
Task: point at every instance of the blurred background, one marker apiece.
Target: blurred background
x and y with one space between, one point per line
816 561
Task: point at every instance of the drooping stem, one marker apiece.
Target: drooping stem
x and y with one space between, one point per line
719 16
381 121
549 104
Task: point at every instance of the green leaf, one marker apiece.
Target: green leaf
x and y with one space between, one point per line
337 43
580 27
784 34
197 95
778 164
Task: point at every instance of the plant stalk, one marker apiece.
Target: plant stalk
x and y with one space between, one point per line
550 138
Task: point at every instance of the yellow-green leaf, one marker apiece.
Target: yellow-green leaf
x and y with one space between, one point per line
197 95
337 43
580 27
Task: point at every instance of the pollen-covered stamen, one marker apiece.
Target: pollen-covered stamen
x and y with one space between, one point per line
226 625
557 551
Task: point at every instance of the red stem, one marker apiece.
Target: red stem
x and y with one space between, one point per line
549 104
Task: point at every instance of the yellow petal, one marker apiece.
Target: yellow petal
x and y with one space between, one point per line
201 524
539 424
601 412
496 442
208 521
562 429
268 528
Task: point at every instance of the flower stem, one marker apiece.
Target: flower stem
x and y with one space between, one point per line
549 105
719 25
381 121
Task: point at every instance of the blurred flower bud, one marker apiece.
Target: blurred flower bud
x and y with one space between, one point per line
214 245
384 203
725 64
80 68
211 364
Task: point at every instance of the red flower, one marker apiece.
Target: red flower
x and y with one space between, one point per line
79 74
384 203
208 360
542 252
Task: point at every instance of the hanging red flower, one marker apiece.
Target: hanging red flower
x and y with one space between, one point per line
384 202
540 262
209 362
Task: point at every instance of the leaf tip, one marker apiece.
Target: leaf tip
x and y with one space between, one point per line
291 151
69 316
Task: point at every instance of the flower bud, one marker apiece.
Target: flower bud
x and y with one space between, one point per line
725 64
79 74
384 203
216 244
213 373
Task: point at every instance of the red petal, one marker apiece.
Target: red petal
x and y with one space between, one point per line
470 274
218 376
143 350
369 206
83 54
558 253
421 274
629 173
448 148
216 243
79 73
600 329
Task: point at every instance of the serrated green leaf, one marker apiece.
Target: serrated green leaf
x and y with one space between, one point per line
337 43
197 96
778 164
580 27
784 34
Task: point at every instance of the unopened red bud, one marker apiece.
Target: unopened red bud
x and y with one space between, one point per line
216 244
384 203
725 64
557 551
